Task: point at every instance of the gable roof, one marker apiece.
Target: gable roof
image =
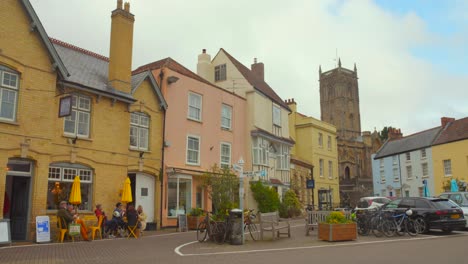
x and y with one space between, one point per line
409 143
454 131
258 84
138 79
179 68
37 25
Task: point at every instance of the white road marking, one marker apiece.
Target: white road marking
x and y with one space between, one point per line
177 250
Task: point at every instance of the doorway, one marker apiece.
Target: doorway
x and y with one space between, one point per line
143 189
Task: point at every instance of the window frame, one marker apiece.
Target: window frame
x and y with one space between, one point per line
140 127
260 145
408 156
409 172
78 109
276 115
229 118
425 166
321 163
225 164
330 169
282 158
329 143
199 108
11 89
396 177
198 151
382 176
220 72
320 139
178 178
423 154
447 169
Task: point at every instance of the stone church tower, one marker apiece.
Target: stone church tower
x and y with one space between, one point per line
339 105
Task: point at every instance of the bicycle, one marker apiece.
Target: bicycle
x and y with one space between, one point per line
401 223
249 224
210 229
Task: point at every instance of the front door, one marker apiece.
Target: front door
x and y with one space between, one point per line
144 194
19 207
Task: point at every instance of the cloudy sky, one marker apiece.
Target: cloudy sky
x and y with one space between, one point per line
411 56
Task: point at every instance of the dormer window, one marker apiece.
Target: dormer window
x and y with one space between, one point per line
220 72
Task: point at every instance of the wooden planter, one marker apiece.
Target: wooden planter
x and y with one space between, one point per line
337 232
193 221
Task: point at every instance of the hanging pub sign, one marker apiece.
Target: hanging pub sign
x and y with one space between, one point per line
310 184
65 108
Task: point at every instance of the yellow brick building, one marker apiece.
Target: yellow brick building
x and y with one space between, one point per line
114 129
315 144
450 155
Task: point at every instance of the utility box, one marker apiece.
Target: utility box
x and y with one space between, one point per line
237 224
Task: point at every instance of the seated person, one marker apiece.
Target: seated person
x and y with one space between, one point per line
142 217
65 213
98 212
132 218
117 219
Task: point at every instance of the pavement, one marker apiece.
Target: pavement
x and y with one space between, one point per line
169 246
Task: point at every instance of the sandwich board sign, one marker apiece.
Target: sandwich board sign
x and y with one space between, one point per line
42 229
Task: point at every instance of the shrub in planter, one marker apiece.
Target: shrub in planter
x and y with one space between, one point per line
337 228
266 197
195 216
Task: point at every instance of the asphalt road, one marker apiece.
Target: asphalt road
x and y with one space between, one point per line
164 247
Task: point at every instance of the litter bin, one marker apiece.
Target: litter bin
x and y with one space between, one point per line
235 218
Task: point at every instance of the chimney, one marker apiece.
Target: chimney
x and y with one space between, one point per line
292 104
121 47
258 69
394 133
445 120
204 67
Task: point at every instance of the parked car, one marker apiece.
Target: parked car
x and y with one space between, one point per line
431 213
460 198
373 202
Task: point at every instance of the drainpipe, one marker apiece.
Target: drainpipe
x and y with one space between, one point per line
161 77
399 171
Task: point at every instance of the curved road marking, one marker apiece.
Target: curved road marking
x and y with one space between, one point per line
177 250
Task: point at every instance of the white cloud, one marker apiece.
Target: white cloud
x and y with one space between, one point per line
292 38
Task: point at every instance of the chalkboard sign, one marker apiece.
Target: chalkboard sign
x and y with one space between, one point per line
182 223
5 237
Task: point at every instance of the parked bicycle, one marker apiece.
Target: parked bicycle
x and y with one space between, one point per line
401 223
249 218
209 229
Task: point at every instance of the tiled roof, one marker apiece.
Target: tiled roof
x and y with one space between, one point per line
177 67
276 181
454 131
412 142
90 69
262 132
258 84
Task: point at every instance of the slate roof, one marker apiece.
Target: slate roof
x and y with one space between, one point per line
258 84
258 131
412 142
454 131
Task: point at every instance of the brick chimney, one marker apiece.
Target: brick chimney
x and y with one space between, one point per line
205 68
292 104
394 133
121 47
445 120
258 69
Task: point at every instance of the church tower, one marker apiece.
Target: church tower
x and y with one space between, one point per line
339 101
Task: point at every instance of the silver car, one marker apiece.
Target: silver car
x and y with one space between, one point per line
460 198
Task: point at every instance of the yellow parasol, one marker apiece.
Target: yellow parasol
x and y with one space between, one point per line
127 192
75 194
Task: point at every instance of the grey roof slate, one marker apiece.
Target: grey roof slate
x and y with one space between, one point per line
412 142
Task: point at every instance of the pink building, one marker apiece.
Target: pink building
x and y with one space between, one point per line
204 126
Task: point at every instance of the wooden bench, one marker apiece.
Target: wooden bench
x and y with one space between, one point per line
271 222
314 217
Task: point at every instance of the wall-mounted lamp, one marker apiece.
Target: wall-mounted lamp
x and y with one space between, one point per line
141 155
172 79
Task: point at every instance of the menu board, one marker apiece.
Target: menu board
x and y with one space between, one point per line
5 237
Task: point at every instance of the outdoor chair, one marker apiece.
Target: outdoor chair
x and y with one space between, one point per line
133 230
97 228
61 230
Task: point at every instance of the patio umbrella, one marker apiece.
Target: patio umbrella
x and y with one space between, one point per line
75 194
453 186
426 190
127 192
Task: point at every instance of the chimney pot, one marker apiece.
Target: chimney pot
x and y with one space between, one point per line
119 4
204 51
127 7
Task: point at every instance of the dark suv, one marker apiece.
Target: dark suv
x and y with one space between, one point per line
432 213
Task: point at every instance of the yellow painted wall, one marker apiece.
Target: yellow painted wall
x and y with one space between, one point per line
37 134
457 152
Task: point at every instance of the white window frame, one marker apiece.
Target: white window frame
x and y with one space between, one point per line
190 114
178 178
140 128
382 176
330 169
425 170
226 116
220 73
409 172
321 167
447 167
320 140
227 162
79 110
396 177
423 154
381 163
187 150
276 115
408 156
282 159
260 151
11 89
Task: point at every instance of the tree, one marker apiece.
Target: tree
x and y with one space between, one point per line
290 206
384 133
222 186
266 197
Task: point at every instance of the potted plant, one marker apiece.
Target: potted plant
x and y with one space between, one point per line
337 228
195 216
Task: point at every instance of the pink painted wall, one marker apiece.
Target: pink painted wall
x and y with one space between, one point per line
178 127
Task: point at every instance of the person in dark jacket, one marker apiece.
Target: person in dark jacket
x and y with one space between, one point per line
67 217
132 218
